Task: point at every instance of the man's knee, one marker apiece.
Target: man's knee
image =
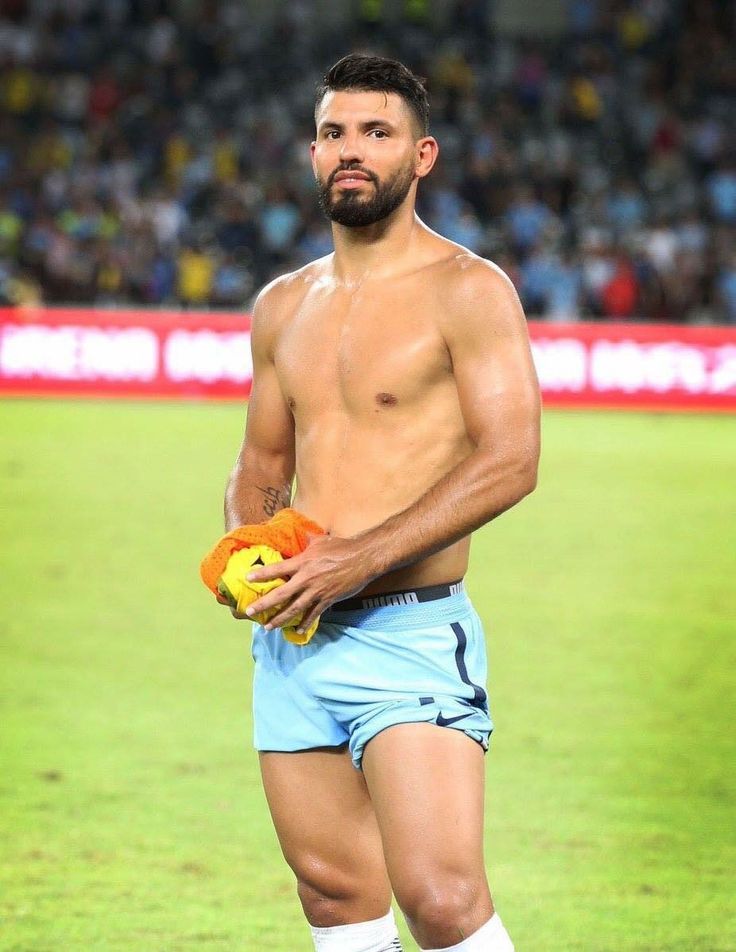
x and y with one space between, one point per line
442 911
331 896
323 902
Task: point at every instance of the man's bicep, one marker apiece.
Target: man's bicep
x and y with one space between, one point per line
492 362
269 431
270 425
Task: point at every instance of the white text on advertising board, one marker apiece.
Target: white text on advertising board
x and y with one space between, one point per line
208 356
78 353
566 365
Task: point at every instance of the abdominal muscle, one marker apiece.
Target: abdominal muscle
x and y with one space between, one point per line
352 477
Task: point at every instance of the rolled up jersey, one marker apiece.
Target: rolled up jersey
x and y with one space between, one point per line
226 565
237 592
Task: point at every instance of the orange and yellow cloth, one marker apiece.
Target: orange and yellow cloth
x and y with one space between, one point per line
226 565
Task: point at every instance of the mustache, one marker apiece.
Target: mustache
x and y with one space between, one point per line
352 167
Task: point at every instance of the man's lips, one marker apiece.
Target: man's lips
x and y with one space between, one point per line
350 179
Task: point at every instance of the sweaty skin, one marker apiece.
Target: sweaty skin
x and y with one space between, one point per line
394 379
368 378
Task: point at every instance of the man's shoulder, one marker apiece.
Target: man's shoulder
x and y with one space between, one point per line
463 278
292 284
281 298
475 296
463 270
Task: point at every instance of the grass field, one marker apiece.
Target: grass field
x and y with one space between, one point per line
131 816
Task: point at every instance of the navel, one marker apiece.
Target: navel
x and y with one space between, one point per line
386 399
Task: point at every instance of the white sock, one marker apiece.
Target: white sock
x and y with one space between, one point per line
378 935
492 937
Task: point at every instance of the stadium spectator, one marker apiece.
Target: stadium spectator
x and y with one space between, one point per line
195 276
727 288
620 294
599 159
721 187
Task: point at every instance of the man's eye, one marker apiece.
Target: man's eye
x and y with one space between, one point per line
378 133
332 134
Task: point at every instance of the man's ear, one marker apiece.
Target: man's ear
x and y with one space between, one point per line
427 150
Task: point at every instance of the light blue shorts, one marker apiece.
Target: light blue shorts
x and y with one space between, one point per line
368 668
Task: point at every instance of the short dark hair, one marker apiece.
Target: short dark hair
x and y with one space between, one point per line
366 73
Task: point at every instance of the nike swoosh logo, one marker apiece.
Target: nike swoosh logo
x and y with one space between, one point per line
441 721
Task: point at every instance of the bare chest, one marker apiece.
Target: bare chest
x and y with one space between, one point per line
360 351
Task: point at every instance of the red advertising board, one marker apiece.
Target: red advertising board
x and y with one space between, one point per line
646 366
83 352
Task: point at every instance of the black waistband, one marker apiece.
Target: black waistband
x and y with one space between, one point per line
410 597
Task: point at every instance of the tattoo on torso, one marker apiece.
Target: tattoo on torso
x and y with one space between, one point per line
275 498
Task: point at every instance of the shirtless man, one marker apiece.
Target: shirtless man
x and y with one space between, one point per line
394 379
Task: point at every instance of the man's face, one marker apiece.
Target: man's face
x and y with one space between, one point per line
364 156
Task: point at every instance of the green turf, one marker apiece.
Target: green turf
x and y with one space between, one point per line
131 816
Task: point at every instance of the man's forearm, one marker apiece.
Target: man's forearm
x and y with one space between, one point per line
255 493
475 491
332 568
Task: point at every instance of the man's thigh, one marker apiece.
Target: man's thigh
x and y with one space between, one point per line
328 832
427 788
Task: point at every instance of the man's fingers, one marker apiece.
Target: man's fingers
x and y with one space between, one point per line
285 617
267 573
307 620
296 597
286 609
276 598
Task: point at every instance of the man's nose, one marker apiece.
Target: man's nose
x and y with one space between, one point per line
351 149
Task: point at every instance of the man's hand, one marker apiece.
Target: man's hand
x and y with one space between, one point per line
328 570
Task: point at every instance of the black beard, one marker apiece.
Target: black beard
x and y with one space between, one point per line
355 212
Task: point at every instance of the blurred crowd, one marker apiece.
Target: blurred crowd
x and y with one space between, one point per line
156 152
